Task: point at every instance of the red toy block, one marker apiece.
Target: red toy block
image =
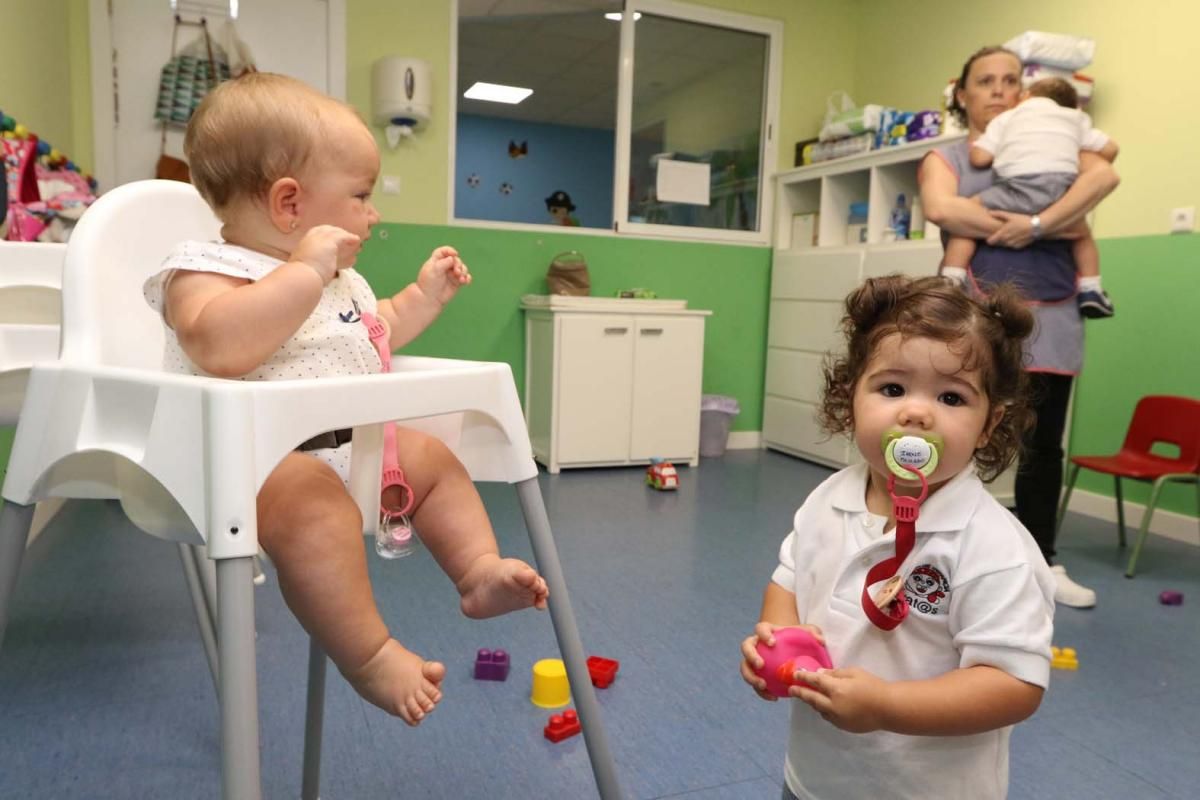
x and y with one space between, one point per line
602 670
562 726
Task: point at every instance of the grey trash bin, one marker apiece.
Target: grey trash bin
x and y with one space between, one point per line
716 415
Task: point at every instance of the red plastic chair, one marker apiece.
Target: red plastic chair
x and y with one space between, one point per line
1157 418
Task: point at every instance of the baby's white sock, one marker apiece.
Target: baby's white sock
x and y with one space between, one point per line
957 274
1090 284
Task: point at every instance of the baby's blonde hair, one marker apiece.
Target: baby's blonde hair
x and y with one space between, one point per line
251 131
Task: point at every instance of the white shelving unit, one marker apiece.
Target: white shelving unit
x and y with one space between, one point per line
810 283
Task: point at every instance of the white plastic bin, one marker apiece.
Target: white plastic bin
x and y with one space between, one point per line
716 415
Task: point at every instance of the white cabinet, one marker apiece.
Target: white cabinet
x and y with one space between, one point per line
612 382
809 283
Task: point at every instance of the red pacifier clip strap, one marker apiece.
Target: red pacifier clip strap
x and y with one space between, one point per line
392 474
906 509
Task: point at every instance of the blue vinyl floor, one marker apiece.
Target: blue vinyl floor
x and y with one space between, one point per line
105 693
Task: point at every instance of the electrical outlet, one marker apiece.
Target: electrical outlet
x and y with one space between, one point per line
391 184
1183 220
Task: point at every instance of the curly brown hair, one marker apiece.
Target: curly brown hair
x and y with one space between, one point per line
955 107
990 332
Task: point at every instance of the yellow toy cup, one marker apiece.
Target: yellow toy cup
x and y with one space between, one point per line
550 687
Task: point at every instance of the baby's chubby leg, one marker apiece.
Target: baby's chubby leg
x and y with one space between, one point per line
312 530
452 523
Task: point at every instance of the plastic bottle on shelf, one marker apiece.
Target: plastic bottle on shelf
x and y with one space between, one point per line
900 218
916 229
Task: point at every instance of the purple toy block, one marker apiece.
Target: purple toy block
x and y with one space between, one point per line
1171 598
491 665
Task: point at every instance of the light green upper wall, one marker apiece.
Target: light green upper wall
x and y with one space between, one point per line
1145 82
818 57
45 84
376 28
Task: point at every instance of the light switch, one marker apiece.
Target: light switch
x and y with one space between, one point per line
1183 220
391 184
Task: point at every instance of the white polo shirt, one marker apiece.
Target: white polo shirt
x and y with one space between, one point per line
1038 136
979 592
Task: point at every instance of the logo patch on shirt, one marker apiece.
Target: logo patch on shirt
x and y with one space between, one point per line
927 590
351 316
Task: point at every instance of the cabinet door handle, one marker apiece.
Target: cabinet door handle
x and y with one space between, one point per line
652 331
616 331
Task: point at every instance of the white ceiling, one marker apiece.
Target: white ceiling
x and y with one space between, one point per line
566 51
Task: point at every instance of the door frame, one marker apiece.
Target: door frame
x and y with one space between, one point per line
104 134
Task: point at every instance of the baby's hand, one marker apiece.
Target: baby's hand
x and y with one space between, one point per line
765 632
849 698
442 275
327 249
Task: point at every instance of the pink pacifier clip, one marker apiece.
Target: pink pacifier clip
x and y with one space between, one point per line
392 474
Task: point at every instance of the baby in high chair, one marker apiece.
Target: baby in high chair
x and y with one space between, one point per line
289 172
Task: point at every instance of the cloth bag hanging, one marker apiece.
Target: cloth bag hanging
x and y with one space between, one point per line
186 78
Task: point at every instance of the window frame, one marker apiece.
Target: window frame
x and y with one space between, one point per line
768 135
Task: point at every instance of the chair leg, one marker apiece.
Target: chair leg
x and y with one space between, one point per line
14 532
1145 526
1120 511
204 619
240 776
569 643
1062 507
314 716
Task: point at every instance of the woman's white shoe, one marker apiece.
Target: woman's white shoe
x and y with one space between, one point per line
1068 592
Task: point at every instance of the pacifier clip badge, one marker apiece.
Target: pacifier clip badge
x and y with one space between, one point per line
906 456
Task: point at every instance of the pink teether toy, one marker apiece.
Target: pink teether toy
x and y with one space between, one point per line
795 648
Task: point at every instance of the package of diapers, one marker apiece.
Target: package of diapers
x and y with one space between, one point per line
1053 49
843 118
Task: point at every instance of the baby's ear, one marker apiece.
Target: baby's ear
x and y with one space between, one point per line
283 204
994 417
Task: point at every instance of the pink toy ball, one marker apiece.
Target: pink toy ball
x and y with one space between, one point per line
795 648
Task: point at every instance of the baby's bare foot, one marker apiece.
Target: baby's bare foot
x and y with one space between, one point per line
495 586
400 682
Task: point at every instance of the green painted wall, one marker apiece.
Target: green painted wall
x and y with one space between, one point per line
49 95
485 322
1149 347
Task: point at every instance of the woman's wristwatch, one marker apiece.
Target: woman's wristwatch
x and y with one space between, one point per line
1036 222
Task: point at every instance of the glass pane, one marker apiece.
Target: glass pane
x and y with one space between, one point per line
549 158
698 97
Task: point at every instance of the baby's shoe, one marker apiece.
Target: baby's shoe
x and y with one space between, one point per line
1094 304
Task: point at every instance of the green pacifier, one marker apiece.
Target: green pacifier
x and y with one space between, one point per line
904 453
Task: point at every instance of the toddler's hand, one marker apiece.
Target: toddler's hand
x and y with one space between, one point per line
849 698
765 632
442 275
327 249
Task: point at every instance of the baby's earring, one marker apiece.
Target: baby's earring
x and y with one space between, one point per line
293 225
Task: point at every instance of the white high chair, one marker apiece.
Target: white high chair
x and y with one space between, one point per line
30 310
186 456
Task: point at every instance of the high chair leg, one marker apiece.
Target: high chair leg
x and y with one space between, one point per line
14 531
240 775
204 618
314 716
569 643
